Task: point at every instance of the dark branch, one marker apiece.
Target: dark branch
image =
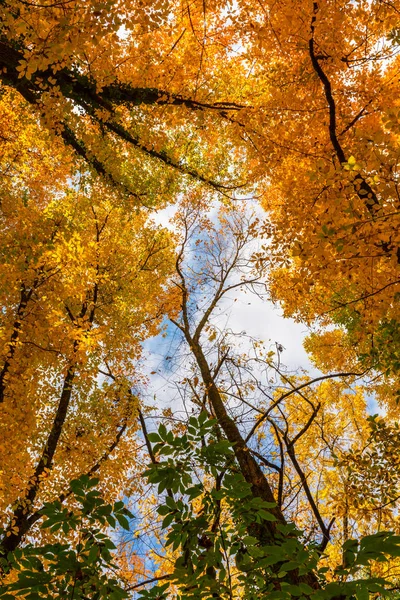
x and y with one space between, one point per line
25 296
362 188
81 90
147 582
294 391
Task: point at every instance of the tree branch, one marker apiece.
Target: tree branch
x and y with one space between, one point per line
294 391
147 582
78 87
362 188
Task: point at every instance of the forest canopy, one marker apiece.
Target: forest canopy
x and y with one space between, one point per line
269 130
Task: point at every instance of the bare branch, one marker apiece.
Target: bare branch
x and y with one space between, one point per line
296 390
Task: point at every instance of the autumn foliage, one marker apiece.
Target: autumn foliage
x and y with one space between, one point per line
270 129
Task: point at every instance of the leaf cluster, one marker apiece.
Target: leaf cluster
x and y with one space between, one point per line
81 568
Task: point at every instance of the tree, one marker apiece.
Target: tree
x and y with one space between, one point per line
258 495
215 471
82 285
296 101
315 118
329 145
100 77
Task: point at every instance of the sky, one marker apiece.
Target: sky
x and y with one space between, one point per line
241 312
257 318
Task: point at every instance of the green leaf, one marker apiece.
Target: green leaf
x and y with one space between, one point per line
167 520
266 516
249 540
123 521
162 431
362 593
